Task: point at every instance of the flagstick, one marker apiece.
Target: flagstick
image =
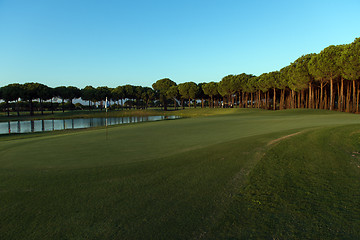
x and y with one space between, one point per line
106 116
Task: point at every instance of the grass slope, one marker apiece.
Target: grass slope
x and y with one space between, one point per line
306 187
188 178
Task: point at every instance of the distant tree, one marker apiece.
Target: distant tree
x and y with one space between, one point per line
273 81
11 92
138 91
173 93
30 92
237 84
72 93
129 91
251 87
259 87
264 86
227 88
201 94
88 94
242 84
188 90
101 94
161 87
350 67
51 95
324 66
283 84
148 95
44 93
301 77
210 89
316 72
62 93
118 93
193 92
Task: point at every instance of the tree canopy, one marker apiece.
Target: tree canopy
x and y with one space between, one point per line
327 80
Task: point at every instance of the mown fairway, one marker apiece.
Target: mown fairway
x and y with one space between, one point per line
228 176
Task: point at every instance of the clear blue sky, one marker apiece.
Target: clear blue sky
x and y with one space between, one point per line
111 43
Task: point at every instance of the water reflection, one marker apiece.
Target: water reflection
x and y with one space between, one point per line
61 124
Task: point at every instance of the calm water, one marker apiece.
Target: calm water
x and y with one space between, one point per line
52 125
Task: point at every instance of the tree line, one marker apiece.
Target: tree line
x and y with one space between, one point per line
327 80
136 96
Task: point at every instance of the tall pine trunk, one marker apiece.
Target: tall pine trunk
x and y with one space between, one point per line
326 100
246 100
321 95
331 93
17 107
31 108
302 93
310 94
357 101
282 99
52 106
7 108
354 95
348 97
239 100
274 99
266 100
164 102
338 94
298 99
251 101
342 95
41 107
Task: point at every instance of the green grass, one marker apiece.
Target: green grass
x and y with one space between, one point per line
306 187
214 177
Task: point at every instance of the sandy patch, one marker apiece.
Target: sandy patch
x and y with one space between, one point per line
282 138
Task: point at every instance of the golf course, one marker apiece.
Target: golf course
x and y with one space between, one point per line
220 174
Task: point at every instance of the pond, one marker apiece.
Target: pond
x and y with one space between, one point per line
76 123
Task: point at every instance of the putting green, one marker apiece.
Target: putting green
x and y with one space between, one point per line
169 179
